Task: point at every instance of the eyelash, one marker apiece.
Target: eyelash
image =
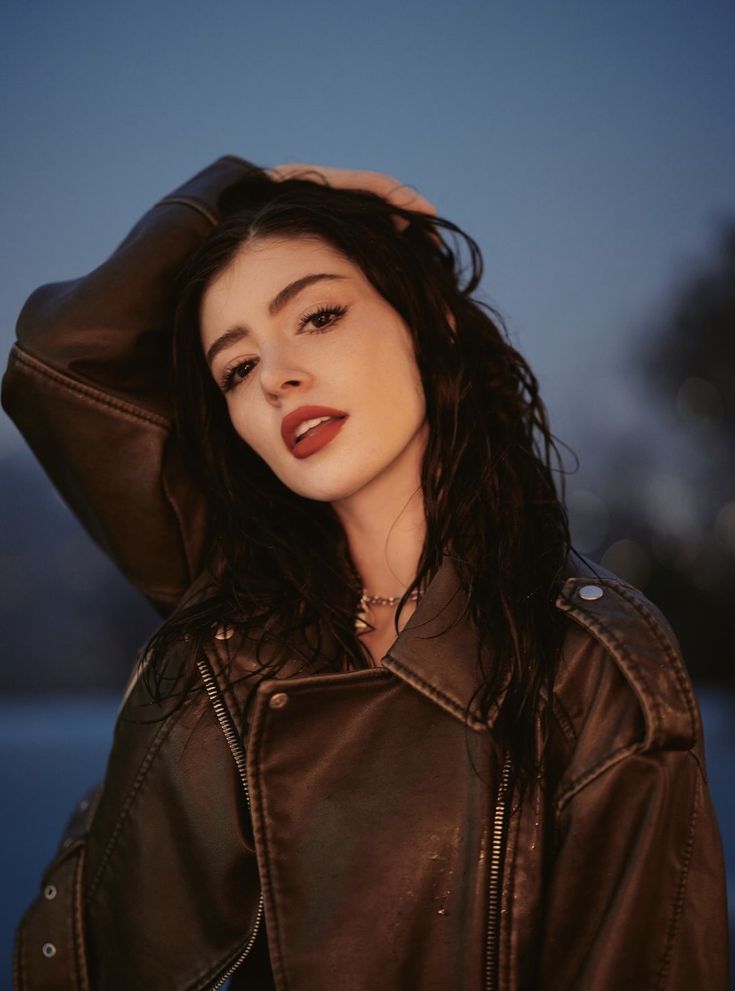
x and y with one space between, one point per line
228 379
321 311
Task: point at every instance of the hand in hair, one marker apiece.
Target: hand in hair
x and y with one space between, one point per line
398 193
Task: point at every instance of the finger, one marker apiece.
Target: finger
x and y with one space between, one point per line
399 193
296 170
408 197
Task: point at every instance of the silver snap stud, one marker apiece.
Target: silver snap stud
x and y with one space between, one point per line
224 633
48 950
49 892
278 700
83 805
590 593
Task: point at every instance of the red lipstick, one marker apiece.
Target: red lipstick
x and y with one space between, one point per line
303 443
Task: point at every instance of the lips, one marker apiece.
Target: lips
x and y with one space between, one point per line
302 443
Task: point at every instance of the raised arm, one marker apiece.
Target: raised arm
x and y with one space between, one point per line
87 386
88 381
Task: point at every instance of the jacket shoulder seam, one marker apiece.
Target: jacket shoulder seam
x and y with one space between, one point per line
636 672
591 774
35 366
619 650
668 648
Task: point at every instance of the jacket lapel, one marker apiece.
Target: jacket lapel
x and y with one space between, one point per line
437 652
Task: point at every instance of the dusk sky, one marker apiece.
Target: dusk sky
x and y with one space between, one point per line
587 146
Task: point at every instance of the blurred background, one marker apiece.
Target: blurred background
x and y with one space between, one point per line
588 147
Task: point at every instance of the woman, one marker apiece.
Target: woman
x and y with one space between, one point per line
395 734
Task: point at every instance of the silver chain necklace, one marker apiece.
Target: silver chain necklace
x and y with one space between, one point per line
362 623
385 600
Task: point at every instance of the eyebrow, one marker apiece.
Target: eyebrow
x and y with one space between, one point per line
279 301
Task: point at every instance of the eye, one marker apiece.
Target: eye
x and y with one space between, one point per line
236 373
322 318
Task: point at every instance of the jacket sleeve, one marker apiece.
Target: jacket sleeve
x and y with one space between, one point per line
636 896
87 386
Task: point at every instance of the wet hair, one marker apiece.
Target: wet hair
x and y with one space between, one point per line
278 565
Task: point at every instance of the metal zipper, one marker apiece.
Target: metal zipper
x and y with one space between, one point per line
496 870
240 959
233 743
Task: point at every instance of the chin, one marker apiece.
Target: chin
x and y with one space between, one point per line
321 488
323 493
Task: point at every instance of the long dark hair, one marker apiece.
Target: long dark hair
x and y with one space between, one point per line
278 564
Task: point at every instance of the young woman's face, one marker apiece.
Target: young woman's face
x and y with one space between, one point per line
317 368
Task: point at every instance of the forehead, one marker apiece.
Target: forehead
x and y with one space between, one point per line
261 268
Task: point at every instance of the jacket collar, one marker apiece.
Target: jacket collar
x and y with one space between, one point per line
437 652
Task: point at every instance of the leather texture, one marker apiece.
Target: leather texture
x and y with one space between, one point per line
94 352
351 819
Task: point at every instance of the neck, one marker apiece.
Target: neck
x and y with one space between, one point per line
385 531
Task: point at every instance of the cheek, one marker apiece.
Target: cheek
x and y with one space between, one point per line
245 421
405 381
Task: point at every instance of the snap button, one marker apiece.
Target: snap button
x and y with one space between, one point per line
83 805
48 950
224 633
590 593
278 700
49 892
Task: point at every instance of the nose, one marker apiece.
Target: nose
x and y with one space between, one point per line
280 375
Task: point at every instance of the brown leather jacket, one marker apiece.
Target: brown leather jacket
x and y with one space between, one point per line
357 819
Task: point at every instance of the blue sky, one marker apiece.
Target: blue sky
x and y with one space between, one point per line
588 146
